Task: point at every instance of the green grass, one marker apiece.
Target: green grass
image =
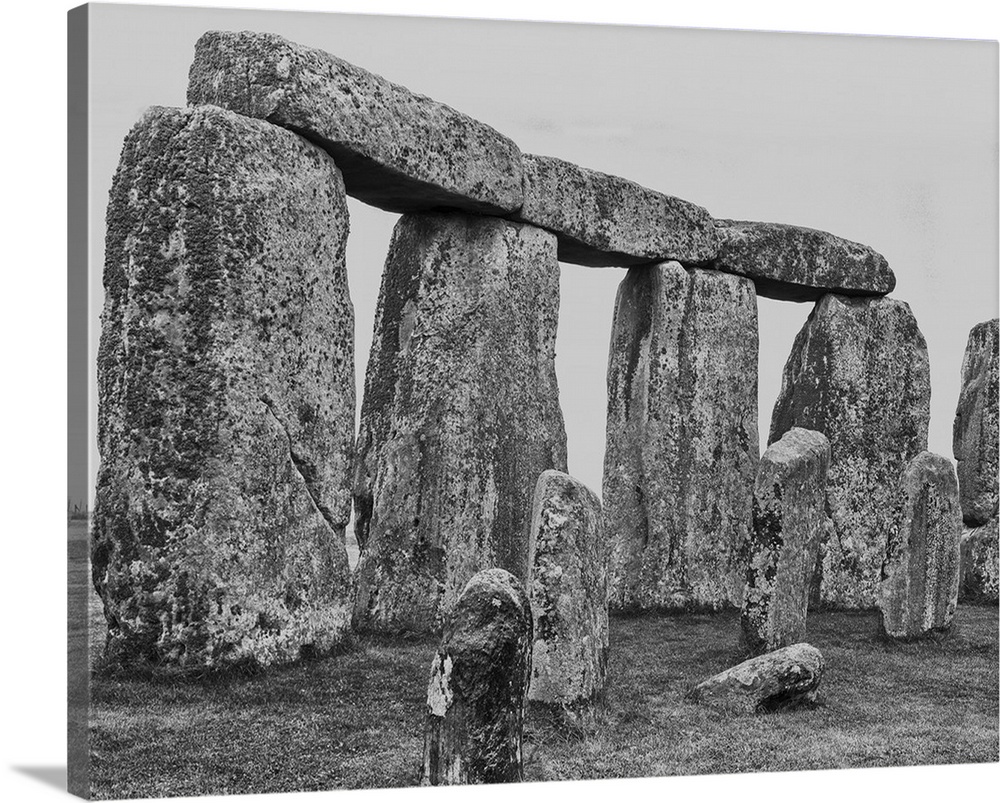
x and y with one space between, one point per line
355 719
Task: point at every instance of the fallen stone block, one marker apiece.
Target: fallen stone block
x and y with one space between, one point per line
780 680
682 446
793 263
789 517
568 593
979 568
977 425
226 396
460 414
858 372
398 150
920 576
478 684
604 220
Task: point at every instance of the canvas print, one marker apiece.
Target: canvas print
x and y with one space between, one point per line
475 402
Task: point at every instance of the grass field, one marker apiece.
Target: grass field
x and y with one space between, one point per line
355 719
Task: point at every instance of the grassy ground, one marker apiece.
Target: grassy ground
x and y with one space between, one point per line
355 719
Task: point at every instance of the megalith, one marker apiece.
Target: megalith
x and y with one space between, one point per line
980 564
789 516
478 685
398 150
920 577
976 430
460 414
858 373
226 396
780 680
682 447
568 593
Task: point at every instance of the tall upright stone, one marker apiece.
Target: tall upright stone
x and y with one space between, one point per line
858 372
568 593
478 686
682 447
977 430
460 416
980 570
789 516
226 395
920 577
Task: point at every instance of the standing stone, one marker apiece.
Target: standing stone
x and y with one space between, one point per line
980 556
789 516
460 416
977 431
682 447
398 150
226 395
920 578
778 680
568 592
478 685
858 373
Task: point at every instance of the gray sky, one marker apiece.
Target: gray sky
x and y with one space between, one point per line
888 141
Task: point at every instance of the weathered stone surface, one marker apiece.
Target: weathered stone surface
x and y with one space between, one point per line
921 572
793 263
789 517
977 424
777 680
568 592
226 395
980 569
604 220
398 150
858 372
682 448
460 416
478 686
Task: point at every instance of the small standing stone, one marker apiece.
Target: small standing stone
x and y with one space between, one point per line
568 591
478 686
789 516
777 680
980 557
920 577
977 425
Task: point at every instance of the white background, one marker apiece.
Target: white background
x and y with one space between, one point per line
33 647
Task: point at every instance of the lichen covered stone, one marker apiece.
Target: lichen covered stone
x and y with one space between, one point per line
460 415
977 424
789 517
398 150
858 373
979 566
478 685
793 263
604 220
682 447
780 680
226 396
568 593
920 576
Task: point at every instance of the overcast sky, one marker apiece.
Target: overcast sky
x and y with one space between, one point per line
888 141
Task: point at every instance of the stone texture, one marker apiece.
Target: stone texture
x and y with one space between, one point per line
793 263
778 680
979 565
478 685
460 416
920 576
568 592
226 395
789 517
682 446
604 220
858 372
398 150
977 431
